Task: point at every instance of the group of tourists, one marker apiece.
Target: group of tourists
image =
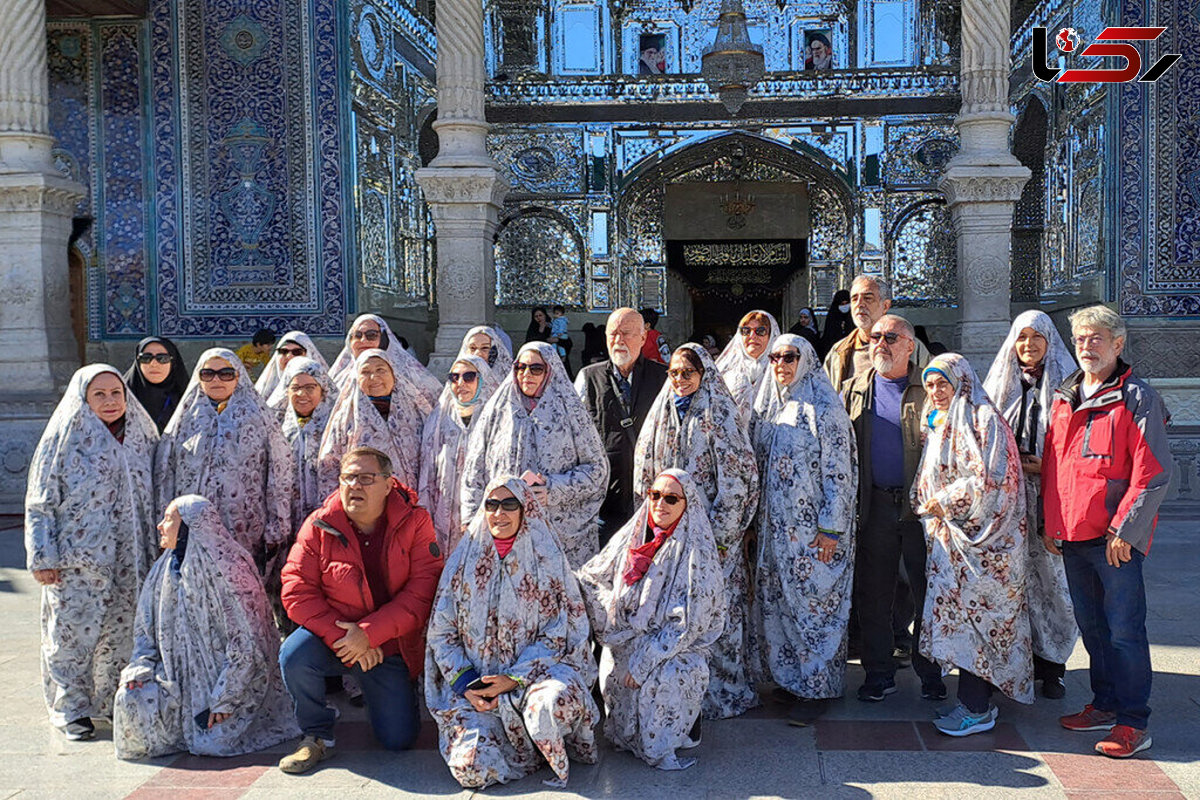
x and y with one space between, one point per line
216 556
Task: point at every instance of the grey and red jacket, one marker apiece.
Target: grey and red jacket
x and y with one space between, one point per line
1106 462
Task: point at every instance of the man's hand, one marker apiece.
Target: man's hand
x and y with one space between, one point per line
354 645
1050 545
479 702
1031 464
46 577
216 719
1118 551
372 659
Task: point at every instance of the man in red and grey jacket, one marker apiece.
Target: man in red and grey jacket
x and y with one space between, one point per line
360 580
1105 471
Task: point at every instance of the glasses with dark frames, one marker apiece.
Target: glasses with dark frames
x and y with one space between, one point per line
290 351
465 377
534 369
786 358
367 336
492 505
682 374
161 358
759 330
670 499
891 337
225 375
361 478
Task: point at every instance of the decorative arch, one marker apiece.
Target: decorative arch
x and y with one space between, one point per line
540 258
920 245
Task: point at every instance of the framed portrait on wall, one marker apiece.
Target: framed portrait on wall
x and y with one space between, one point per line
652 53
818 49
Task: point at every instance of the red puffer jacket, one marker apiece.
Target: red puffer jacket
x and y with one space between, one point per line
324 580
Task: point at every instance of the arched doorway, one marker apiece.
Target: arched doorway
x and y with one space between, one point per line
765 224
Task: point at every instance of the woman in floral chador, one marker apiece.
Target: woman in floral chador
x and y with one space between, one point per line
305 396
89 541
293 344
693 426
225 443
383 408
483 341
204 676
535 426
1031 364
970 495
656 600
743 362
370 332
444 445
805 565
508 668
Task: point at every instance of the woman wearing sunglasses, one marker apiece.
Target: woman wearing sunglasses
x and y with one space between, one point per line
444 445
225 443
157 378
384 408
536 426
693 426
804 568
371 332
656 601
743 363
508 667
294 344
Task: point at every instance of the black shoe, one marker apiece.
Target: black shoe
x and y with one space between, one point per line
875 691
933 691
78 730
902 655
783 696
1054 689
806 712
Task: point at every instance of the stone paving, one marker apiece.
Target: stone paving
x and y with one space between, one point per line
859 750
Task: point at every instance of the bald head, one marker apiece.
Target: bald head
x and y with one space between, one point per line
624 333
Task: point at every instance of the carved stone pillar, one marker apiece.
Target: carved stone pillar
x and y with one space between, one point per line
38 352
983 182
463 185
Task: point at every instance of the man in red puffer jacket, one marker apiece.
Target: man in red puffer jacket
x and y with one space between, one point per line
360 581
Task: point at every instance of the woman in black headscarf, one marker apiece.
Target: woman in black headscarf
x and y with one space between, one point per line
539 326
806 328
157 378
838 322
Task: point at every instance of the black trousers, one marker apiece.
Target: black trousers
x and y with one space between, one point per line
974 692
882 543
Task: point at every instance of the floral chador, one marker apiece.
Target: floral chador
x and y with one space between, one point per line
272 374
499 359
344 371
742 373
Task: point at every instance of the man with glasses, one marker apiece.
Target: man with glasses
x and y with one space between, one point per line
884 402
870 299
618 394
1105 469
360 581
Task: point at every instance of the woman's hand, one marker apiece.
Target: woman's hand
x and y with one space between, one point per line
216 719
134 685
46 577
486 699
933 509
825 545
630 683
1031 464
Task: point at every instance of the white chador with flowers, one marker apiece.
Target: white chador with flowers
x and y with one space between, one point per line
234 453
975 612
343 370
659 623
521 616
205 644
807 460
89 513
743 373
700 435
304 434
499 357
551 435
272 374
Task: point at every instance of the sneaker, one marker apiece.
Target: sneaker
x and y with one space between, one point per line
78 730
1123 742
933 690
961 721
807 712
309 753
875 691
1090 719
1054 688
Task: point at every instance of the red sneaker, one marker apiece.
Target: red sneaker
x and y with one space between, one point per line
1124 742
1090 719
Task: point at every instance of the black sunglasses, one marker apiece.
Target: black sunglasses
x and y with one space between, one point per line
787 358
534 369
670 499
761 330
146 358
290 351
492 505
370 336
225 374
465 377
891 337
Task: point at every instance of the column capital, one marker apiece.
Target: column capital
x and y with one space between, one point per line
983 184
48 192
474 185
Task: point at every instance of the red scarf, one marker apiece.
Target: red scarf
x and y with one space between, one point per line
642 556
504 546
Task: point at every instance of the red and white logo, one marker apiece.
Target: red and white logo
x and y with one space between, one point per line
1112 42
1067 40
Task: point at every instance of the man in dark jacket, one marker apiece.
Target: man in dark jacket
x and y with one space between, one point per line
360 580
618 394
1105 469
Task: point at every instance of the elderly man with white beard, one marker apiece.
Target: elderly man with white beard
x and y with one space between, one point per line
618 393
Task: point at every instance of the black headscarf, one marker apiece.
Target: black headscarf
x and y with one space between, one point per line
180 548
810 332
837 325
159 399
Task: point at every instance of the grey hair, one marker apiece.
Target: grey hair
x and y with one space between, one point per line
904 324
385 463
881 285
1098 317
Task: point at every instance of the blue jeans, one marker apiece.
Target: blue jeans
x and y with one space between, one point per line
1110 609
387 690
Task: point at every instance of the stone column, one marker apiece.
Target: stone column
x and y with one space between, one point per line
38 353
463 185
983 182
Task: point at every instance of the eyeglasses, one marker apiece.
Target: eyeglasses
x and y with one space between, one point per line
1088 341
492 505
361 478
760 330
787 358
534 369
465 377
366 336
670 499
891 337
225 375
290 351
304 388
682 374
161 358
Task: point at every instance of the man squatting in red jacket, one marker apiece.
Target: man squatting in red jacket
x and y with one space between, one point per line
1104 475
360 581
